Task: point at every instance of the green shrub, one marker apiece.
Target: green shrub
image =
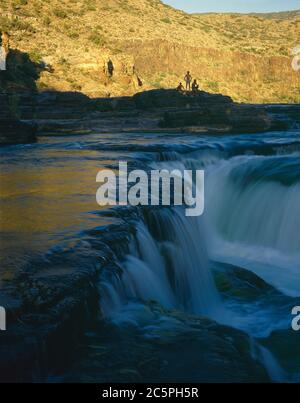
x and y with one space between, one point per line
97 39
4 24
60 13
17 4
47 21
73 35
15 24
21 2
35 56
63 61
213 85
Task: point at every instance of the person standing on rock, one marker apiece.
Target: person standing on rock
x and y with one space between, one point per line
110 68
188 80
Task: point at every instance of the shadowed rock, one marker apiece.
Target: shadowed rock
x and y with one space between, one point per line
12 130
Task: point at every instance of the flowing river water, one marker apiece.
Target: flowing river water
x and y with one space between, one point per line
238 264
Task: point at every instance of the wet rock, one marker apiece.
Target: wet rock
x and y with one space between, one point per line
173 347
285 344
13 130
57 127
237 118
50 305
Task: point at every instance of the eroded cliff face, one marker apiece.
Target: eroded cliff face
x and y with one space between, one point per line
244 56
92 75
144 65
243 76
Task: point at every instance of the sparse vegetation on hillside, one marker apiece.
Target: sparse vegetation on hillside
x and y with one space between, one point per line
245 56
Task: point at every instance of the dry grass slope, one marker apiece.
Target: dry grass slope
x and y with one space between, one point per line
244 56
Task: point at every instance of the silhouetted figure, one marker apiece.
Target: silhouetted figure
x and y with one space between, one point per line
195 87
188 80
180 88
110 68
140 82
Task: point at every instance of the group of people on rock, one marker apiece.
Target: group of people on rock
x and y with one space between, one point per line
190 85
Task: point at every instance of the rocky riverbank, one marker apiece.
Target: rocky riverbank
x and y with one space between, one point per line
56 113
53 308
12 129
49 306
52 303
50 310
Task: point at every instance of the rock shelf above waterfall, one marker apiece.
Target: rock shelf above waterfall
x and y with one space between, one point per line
58 113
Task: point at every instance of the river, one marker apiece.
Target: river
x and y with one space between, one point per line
238 264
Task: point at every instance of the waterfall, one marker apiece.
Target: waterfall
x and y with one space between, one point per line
266 209
168 264
255 219
273 368
251 221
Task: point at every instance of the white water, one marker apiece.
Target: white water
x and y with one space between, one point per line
172 270
274 370
252 224
255 225
248 223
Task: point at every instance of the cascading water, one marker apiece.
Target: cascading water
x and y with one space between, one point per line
251 220
168 264
251 215
175 265
255 223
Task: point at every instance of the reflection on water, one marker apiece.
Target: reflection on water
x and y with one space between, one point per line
46 195
48 189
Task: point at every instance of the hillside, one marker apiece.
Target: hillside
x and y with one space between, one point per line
283 15
244 56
